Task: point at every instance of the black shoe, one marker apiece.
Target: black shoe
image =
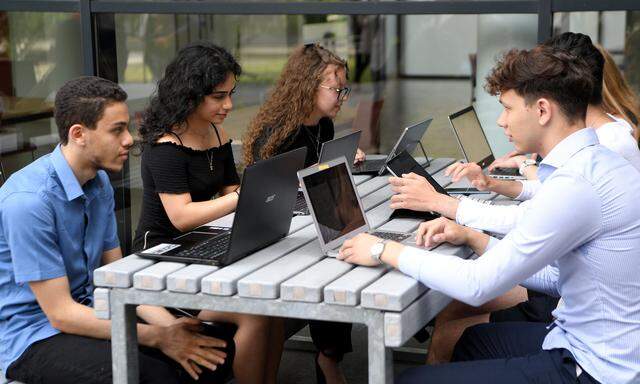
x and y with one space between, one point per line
320 379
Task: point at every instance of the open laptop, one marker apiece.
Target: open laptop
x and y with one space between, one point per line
346 146
263 216
404 163
474 144
336 207
408 141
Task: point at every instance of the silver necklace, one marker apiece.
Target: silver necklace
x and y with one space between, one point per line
210 159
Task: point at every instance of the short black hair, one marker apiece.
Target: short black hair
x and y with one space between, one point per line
545 72
83 101
580 45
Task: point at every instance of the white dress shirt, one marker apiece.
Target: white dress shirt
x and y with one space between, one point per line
616 135
579 239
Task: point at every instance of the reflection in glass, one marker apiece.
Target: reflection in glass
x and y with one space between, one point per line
38 53
617 31
402 68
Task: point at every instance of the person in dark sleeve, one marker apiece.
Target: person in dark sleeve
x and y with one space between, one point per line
299 112
189 179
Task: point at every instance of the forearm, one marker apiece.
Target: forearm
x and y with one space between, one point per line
78 319
155 315
507 188
477 241
445 205
194 214
229 189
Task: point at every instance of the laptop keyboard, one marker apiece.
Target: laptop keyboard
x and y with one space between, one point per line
300 208
506 172
486 202
210 249
393 236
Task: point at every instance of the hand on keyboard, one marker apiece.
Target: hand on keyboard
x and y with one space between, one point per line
434 232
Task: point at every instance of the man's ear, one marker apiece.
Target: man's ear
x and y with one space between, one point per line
77 134
544 110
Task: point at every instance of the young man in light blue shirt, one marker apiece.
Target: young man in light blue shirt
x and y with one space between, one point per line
579 240
57 225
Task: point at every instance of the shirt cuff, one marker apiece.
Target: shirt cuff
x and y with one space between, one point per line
463 211
492 242
410 261
522 195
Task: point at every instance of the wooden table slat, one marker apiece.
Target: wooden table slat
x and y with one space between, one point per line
187 280
309 285
119 274
153 278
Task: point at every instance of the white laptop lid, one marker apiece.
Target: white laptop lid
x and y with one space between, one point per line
333 202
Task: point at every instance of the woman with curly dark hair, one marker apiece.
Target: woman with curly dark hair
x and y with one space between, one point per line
299 112
189 179
300 109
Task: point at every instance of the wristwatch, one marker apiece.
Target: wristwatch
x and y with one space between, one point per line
377 249
525 164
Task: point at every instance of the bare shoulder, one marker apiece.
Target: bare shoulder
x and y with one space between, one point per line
168 138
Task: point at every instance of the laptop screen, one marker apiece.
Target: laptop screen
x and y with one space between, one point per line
334 202
472 139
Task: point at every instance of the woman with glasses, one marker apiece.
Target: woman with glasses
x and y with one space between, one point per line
189 179
299 112
300 109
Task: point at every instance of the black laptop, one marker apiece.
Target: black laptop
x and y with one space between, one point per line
263 216
408 141
404 163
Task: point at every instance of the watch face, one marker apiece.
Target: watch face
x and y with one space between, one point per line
377 248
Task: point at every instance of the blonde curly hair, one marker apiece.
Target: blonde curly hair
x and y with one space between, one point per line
291 100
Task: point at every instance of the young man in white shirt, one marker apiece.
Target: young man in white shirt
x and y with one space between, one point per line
579 240
518 304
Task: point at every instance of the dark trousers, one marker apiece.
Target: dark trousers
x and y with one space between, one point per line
537 309
502 353
65 358
333 339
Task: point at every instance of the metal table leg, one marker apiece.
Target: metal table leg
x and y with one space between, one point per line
124 341
380 357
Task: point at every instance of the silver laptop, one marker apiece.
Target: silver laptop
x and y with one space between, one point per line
336 207
347 146
474 144
408 141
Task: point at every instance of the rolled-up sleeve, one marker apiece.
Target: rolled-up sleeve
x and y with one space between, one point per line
529 189
493 218
565 214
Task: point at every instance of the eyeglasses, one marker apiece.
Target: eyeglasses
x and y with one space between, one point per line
343 93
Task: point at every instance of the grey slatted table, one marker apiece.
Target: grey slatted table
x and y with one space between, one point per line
290 278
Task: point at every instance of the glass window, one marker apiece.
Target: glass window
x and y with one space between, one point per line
38 53
617 31
403 69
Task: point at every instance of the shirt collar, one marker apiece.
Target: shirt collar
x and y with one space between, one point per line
565 150
72 187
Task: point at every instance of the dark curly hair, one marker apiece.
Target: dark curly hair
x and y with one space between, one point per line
83 101
191 76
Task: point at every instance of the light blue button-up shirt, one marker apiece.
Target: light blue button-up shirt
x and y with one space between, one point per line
579 239
43 236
